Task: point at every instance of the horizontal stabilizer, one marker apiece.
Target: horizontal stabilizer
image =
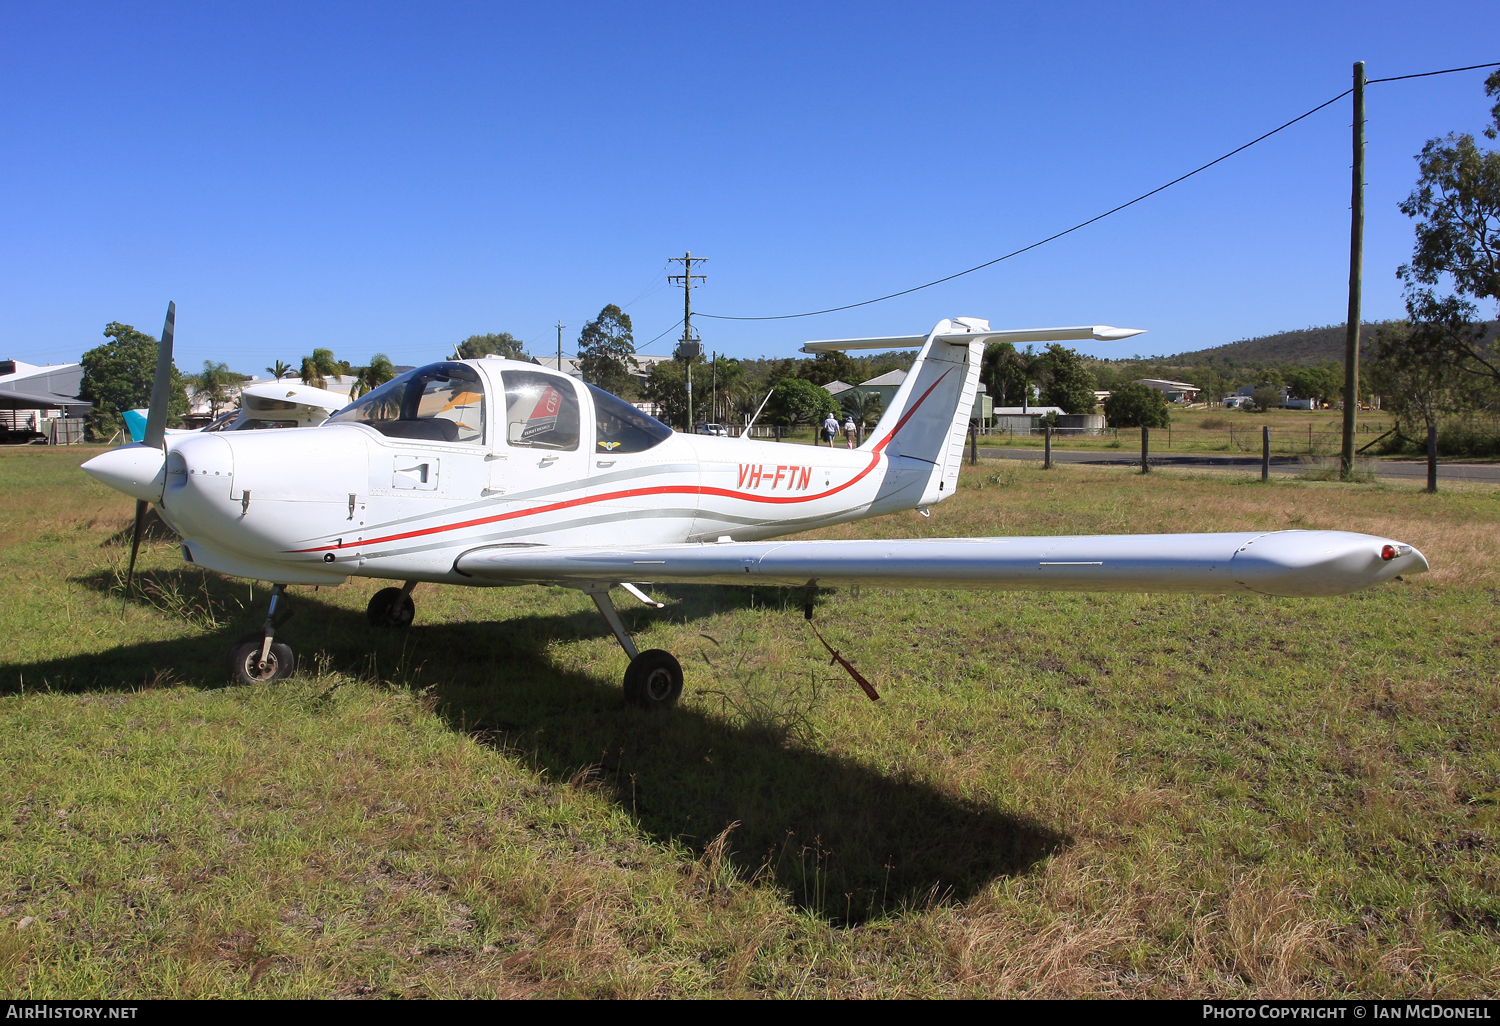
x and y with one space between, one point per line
1096 332
1293 563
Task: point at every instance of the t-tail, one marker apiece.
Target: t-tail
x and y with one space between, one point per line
927 420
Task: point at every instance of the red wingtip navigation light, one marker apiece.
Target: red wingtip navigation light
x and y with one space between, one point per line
1388 553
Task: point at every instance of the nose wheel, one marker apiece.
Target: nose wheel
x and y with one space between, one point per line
392 608
247 667
258 657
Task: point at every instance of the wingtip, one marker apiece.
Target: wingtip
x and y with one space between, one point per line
1106 333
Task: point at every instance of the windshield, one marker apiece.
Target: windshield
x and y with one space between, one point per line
443 402
620 427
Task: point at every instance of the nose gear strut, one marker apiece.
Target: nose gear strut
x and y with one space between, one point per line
258 658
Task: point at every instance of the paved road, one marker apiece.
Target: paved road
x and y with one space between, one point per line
1488 473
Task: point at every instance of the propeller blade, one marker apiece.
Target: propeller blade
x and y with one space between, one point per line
135 539
161 390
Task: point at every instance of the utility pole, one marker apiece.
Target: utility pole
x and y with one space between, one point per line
560 327
1356 270
688 345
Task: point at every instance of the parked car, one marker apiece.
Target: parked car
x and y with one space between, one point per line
712 429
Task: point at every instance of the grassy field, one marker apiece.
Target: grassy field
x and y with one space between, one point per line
1293 433
1056 795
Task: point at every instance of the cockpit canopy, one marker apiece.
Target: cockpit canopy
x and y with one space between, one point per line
442 402
445 402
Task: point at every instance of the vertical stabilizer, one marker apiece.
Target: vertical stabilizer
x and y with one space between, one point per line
929 415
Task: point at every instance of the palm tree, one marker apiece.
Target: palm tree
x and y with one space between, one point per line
864 407
367 379
279 370
317 367
214 383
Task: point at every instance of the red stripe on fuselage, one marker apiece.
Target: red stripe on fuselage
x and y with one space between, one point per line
634 492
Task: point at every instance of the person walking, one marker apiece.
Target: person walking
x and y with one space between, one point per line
850 431
830 429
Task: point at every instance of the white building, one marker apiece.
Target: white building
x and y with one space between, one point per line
35 400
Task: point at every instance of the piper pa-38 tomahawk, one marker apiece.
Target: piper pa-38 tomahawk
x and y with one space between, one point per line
493 472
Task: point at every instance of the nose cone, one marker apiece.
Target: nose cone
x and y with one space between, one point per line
140 471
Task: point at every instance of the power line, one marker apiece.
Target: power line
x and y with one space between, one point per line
1099 217
1426 74
659 337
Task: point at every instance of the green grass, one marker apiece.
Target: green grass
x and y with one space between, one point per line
1056 795
1293 433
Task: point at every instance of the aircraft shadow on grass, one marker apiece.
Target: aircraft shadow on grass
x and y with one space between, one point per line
843 840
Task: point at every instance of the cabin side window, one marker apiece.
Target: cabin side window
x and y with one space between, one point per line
620 427
541 411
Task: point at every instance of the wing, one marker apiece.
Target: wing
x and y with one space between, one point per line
1294 563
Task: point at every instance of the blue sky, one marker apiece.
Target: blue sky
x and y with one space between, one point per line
393 178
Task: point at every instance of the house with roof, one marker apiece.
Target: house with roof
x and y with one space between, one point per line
34 400
886 385
1176 391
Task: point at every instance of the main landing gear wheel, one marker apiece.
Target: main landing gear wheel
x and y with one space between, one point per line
391 608
245 666
653 680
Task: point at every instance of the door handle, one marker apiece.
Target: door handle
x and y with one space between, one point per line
604 463
546 461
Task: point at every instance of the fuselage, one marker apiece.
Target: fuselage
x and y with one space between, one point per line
502 453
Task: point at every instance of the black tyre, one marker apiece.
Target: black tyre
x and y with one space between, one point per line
653 680
245 666
391 609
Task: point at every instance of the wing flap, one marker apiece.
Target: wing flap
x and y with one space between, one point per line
1294 563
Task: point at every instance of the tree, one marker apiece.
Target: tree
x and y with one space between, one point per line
1456 205
504 344
864 407
279 370
1133 405
605 348
1265 397
715 383
1004 373
798 401
213 384
367 379
117 376
1325 382
316 368
1418 383
829 367
666 386
1066 382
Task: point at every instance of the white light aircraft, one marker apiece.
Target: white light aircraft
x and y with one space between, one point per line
493 472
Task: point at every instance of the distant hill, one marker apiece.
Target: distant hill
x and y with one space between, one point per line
1309 346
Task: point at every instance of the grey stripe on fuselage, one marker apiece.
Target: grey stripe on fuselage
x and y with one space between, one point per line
576 485
621 516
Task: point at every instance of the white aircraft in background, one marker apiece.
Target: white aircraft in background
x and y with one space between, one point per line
492 472
269 404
